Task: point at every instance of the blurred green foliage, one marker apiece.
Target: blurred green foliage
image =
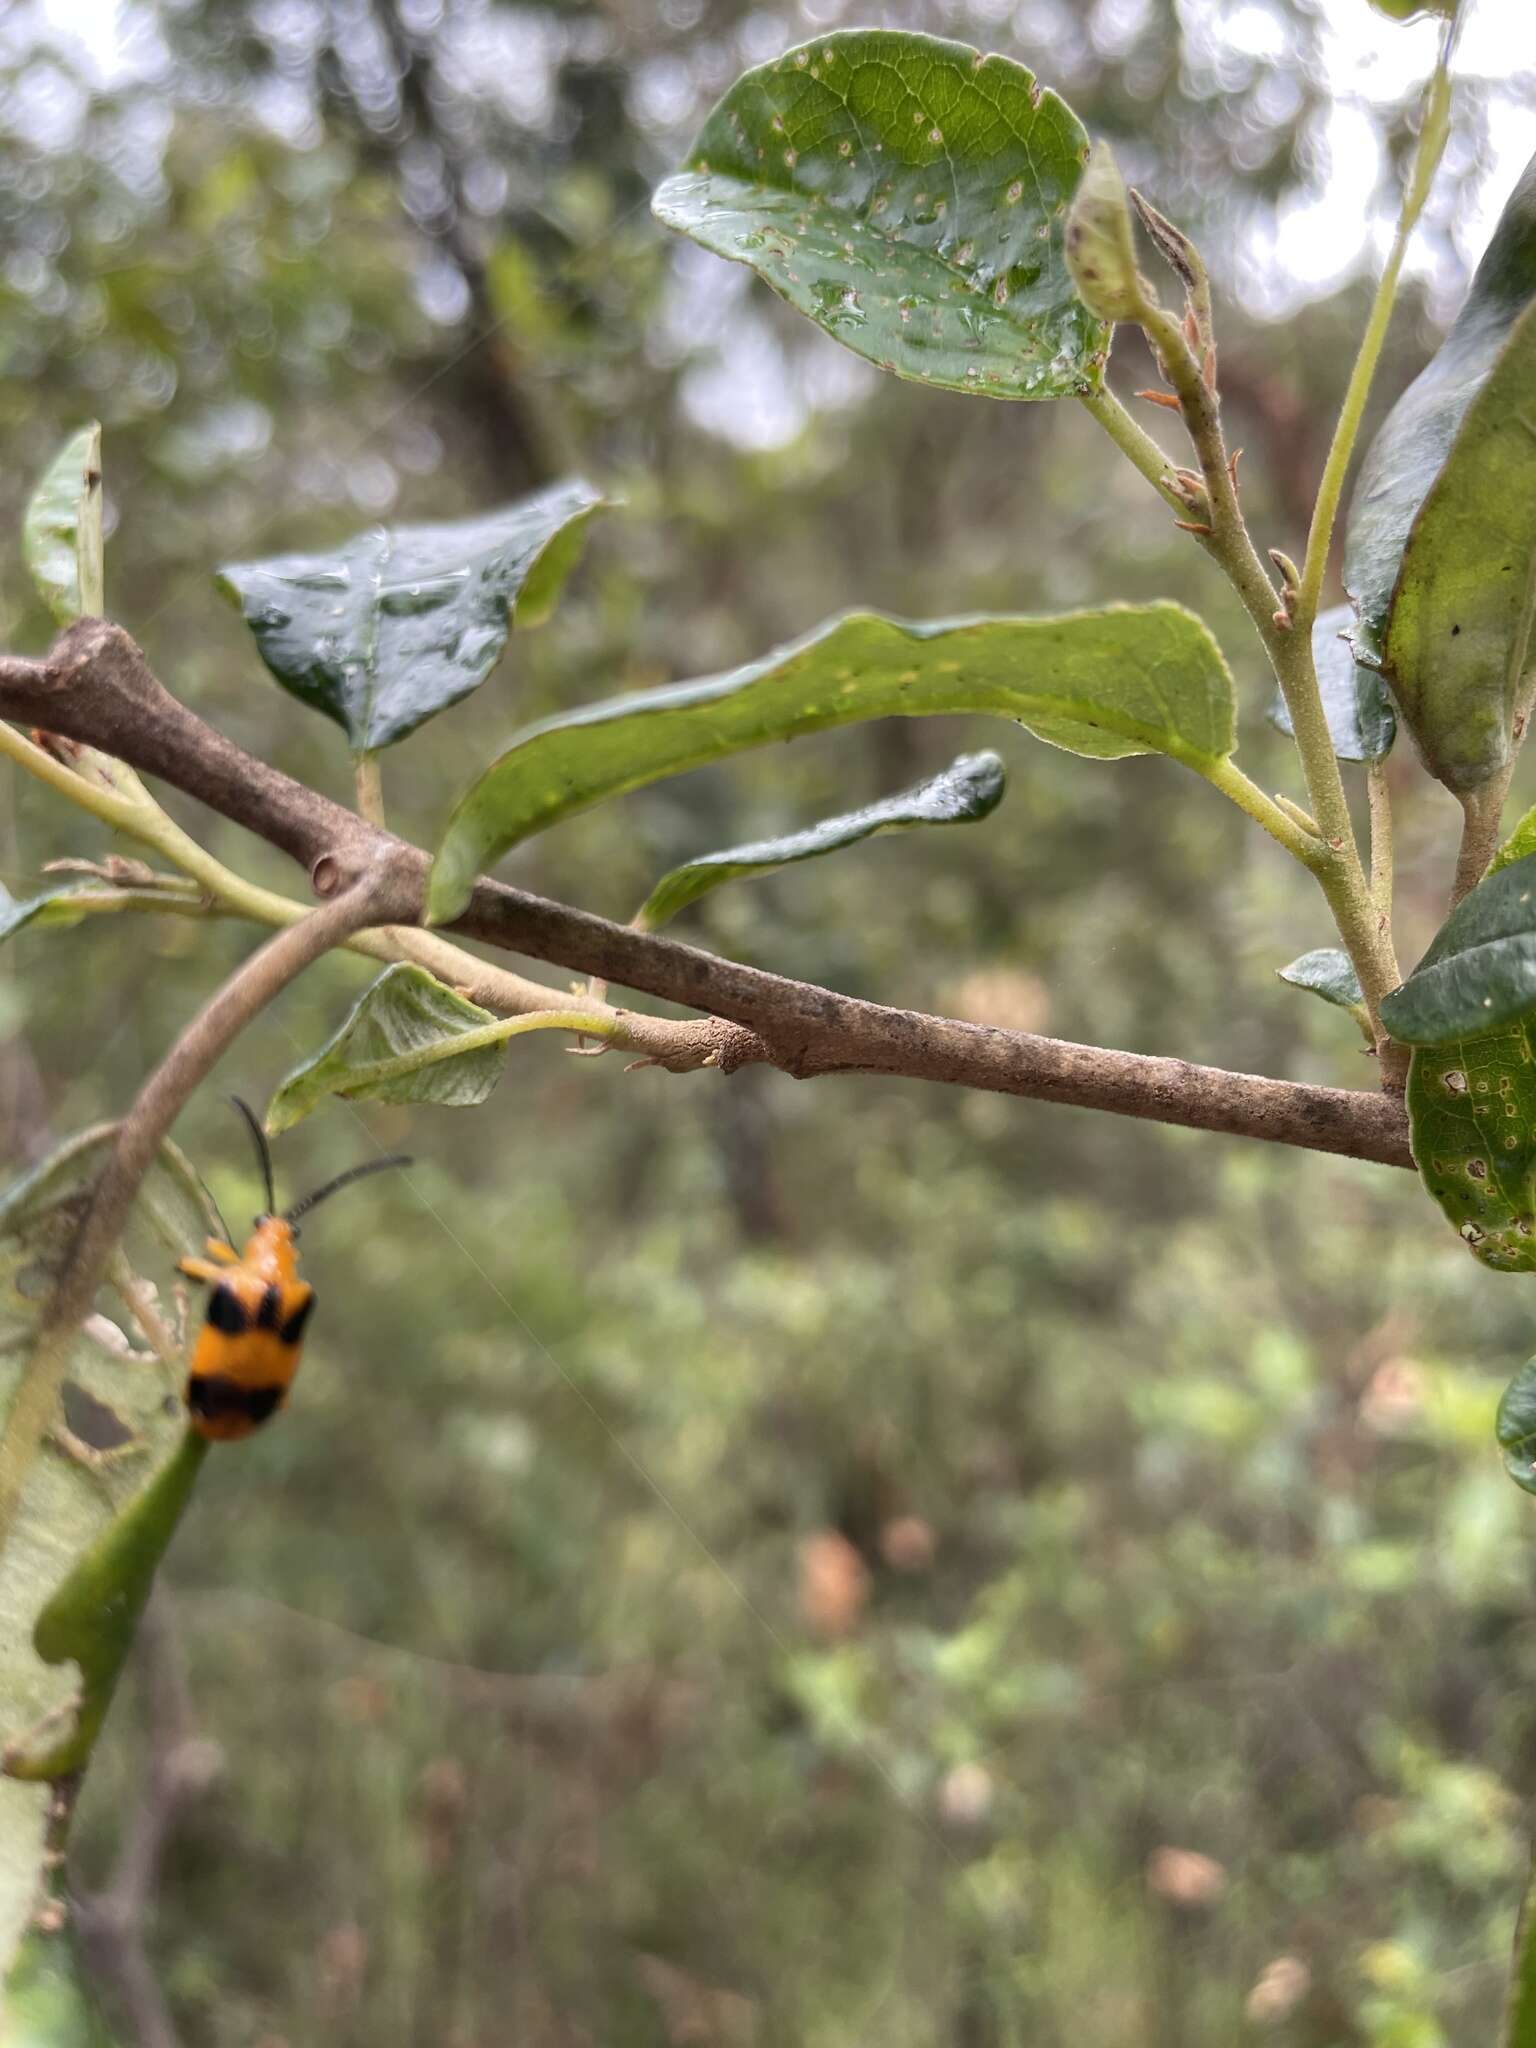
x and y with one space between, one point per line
747 1563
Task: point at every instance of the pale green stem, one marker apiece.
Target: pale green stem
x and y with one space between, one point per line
1482 813
373 1072
1380 799
1433 134
1134 443
1278 822
370 787
139 816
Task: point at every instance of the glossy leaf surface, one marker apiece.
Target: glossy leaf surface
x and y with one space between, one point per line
909 196
1361 721
968 789
403 621
61 529
1441 552
1480 972
1472 1126
1125 680
395 1047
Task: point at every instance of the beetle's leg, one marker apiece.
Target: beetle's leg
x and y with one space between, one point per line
210 1270
224 1254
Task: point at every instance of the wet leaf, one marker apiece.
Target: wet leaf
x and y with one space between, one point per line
1328 973
403 621
1441 551
969 788
1361 721
64 1508
1472 1126
910 197
1480 971
395 1047
1125 680
61 530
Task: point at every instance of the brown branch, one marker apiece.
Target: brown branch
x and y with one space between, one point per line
372 896
96 687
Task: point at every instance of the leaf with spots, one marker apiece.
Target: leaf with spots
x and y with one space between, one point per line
969 789
401 622
1130 679
1441 551
110 1397
910 197
1480 971
1472 1127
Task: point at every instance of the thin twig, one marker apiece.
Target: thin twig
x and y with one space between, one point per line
368 900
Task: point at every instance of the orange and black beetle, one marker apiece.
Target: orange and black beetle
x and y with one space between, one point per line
248 1348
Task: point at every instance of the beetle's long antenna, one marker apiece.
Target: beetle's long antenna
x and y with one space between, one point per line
262 1151
343 1180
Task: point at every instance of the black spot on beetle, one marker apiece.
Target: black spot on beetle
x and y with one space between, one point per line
226 1311
293 1329
270 1314
212 1395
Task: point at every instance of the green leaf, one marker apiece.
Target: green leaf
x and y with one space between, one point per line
969 788
1518 846
1125 680
908 195
396 1046
1328 973
1480 971
46 2000
1361 721
1472 1126
1101 243
61 530
403 621
65 1509
1515 1427
1441 552
1411 10
1519 2029
70 903
91 1620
